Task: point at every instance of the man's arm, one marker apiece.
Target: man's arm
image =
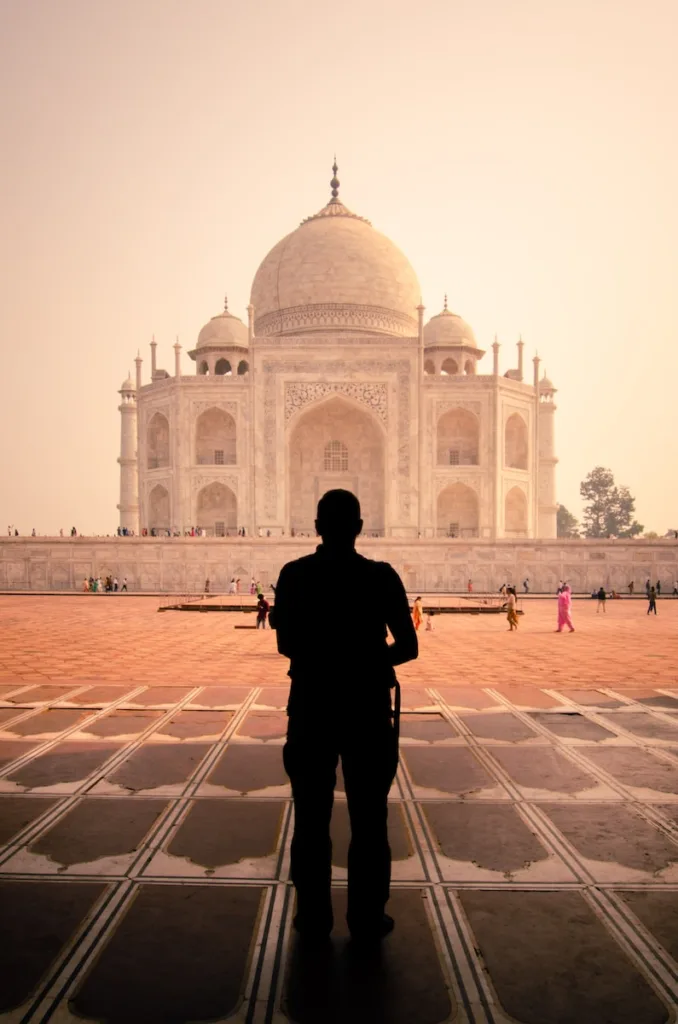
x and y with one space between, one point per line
405 646
279 617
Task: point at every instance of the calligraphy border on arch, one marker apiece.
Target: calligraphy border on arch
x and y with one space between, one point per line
301 393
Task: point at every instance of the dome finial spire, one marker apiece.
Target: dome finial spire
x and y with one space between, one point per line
225 303
334 184
445 310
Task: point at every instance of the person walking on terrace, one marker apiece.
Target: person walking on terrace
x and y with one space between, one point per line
652 601
262 612
602 598
342 670
565 609
417 613
511 613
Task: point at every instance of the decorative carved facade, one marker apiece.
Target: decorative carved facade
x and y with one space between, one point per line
336 356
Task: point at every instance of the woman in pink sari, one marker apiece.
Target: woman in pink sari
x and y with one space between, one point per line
565 609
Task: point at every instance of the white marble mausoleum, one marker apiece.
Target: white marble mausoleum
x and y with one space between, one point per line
335 378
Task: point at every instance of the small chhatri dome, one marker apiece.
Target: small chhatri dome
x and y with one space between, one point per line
335 273
545 384
448 328
128 385
224 329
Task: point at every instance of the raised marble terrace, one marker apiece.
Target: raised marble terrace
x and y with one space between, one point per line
145 823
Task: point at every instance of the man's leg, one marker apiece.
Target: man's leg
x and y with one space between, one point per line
369 758
310 758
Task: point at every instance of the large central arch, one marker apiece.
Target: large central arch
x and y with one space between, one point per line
336 444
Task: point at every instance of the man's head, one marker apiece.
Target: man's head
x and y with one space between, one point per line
338 519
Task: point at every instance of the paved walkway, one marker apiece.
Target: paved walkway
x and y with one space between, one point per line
145 824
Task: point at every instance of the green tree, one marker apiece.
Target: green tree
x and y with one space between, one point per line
609 509
568 525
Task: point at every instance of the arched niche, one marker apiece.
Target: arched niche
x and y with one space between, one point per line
457 512
158 442
515 513
215 438
469 367
222 368
429 367
159 508
458 438
515 442
203 368
217 510
243 367
332 444
449 367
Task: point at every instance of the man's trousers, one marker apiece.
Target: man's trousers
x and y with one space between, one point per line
368 747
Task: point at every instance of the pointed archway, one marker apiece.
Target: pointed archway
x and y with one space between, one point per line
335 443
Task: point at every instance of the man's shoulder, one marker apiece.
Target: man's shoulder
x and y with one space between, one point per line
382 570
299 566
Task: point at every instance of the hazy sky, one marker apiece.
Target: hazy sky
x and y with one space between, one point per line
522 153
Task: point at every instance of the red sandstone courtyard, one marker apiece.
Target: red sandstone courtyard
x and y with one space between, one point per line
145 822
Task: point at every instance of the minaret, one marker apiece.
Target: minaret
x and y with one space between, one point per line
129 480
521 346
548 506
495 357
138 362
177 358
154 346
421 428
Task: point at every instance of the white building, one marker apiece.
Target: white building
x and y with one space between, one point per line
336 380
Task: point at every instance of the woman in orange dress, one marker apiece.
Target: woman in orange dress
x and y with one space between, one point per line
417 613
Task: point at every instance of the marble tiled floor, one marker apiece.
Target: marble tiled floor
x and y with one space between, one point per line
145 823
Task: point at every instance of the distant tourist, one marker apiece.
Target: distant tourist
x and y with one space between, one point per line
16 533
258 589
526 584
124 584
470 586
231 586
659 588
61 532
262 612
631 587
429 621
652 601
115 584
511 612
675 588
503 590
648 586
417 614
602 598
33 532
85 585
253 587
565 609
560 586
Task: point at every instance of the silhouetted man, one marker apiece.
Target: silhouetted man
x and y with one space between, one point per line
331 612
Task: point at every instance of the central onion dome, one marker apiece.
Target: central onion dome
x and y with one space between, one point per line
335 273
